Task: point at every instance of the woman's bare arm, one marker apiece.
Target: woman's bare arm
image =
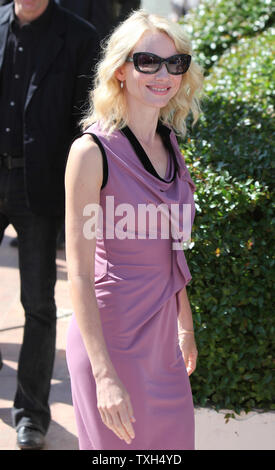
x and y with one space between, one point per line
186 332
185 319
83 180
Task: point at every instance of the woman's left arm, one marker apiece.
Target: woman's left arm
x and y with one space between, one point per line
186 334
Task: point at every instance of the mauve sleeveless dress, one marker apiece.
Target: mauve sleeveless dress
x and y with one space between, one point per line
136 285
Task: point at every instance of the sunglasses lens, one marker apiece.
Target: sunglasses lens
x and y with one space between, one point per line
148 63
178 64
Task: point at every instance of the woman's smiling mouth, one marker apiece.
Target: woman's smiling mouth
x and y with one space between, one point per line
158 90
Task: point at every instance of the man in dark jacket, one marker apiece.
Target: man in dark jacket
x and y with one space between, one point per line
47 56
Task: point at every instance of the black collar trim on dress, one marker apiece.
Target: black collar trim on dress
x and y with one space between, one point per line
164 132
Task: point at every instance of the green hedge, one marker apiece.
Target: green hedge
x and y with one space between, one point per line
231 292
230 156
238 112
217 24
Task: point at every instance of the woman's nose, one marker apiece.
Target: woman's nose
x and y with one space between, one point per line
162 72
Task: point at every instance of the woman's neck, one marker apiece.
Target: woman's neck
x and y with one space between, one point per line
144 124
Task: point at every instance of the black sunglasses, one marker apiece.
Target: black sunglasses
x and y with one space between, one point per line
146 62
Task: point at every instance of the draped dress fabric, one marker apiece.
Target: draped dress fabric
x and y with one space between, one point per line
137 282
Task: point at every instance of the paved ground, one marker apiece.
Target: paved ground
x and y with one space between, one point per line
252 431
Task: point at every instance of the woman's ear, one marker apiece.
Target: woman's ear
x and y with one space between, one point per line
120 73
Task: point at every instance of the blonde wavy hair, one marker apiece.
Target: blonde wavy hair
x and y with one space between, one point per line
107 103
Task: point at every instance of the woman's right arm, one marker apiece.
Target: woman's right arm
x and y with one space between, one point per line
83 180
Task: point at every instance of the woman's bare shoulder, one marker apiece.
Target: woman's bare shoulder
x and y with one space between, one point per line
85 158
85 148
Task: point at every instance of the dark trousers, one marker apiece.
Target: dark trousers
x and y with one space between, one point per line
37 253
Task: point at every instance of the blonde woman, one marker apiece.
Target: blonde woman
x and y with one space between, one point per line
131 344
